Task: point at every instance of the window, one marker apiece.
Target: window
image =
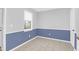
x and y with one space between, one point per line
27 20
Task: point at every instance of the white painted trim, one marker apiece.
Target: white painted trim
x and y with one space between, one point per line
1 26
54 39
53 28
25 30
14 31
72 26
19 31
4 30
23 44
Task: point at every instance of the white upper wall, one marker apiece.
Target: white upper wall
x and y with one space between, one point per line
15 19
54 19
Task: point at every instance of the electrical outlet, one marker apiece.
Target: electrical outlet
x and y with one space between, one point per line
29 35
49 34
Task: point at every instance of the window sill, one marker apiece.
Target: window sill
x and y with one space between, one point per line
25 30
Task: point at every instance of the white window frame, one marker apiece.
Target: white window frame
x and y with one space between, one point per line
31 21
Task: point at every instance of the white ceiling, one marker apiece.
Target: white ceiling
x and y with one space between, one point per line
42 9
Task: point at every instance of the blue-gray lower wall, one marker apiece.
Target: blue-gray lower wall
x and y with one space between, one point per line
15 39
53 33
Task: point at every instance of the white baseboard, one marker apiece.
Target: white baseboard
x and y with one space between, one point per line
54 39
23 44
38 37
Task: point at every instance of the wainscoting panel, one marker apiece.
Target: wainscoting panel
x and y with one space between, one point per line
52 33
15 39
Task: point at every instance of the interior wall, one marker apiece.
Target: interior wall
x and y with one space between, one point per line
58 19
15 34
77 21
15 19
77 27
72 27
54 19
